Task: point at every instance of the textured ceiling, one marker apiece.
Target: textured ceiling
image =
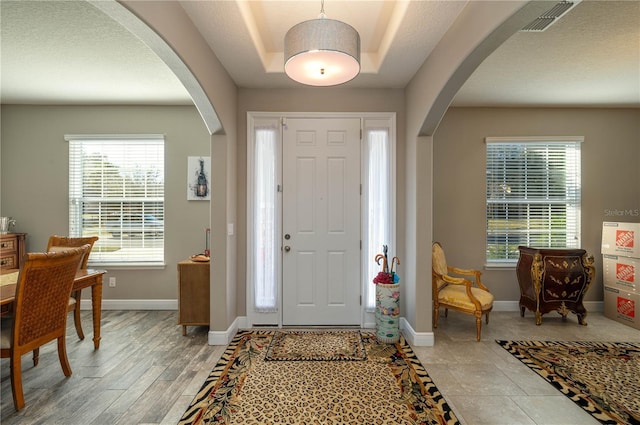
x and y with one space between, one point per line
68 52
591 57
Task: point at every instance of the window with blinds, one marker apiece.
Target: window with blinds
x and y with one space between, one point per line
533 195
116 192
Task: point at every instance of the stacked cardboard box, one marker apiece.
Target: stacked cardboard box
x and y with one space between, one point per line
621 272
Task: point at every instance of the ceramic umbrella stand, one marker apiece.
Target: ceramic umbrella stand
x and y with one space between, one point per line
387 300
388 313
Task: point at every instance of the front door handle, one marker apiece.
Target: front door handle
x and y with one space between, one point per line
287 248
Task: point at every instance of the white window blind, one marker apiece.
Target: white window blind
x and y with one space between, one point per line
533 195
116 192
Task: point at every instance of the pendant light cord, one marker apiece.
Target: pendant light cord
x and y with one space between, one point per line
322 14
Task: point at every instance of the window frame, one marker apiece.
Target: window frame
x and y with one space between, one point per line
100 254
571 200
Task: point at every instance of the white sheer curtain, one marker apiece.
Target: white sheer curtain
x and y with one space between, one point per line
378 207
264 220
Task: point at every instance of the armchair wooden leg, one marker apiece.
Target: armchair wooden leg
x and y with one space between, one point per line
76 314
16 381
487 318
478 327
62 355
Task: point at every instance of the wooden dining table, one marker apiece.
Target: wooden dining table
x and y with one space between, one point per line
85 278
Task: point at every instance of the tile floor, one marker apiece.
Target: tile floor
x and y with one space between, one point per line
146 372
485 385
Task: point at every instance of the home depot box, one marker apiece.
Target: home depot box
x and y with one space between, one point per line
622 306
621 271
621 239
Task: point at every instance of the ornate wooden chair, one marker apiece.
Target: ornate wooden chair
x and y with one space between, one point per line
40 311
61 243
458 293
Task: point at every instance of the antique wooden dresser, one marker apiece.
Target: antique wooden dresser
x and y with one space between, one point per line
554 280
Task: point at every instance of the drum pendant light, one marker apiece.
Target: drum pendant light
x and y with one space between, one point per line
322 52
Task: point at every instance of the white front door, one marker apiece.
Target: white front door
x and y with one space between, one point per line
321 221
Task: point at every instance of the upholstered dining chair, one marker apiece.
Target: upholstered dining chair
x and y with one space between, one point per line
39 311
451 291
60 243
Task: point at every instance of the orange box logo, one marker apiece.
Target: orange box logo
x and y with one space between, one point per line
624 238
625 272
626 307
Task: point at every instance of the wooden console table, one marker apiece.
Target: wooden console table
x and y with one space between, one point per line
554 279
193 294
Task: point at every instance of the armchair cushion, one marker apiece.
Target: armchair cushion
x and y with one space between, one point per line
456 295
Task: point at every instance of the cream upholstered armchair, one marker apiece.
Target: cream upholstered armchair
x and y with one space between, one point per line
458 293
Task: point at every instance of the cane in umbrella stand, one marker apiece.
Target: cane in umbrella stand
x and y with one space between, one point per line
387 300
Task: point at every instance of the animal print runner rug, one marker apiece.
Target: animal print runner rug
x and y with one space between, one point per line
317 377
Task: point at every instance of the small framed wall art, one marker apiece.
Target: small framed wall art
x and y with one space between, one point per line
198 178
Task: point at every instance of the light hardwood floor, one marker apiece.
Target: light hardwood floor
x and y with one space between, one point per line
146 372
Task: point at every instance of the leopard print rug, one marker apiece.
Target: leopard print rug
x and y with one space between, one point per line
316 345
601 377
388 386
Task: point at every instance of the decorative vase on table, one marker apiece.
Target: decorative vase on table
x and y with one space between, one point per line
388 312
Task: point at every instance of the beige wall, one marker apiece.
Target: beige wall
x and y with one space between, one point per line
34 168
34 174
479 29
610 178
308 100
170 33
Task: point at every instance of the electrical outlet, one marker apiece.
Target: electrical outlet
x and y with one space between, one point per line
112 282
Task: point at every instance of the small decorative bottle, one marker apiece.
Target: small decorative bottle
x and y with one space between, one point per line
202 188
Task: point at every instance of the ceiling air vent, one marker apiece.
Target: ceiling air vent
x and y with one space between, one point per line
550 17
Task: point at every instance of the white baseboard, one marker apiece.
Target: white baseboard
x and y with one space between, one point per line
85 304
416 339
505 306
595 306
107 304
225 337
